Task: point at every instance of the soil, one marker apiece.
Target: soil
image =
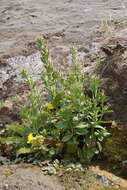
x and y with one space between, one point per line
85 24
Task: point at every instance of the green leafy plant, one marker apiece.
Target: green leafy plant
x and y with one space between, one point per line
61 118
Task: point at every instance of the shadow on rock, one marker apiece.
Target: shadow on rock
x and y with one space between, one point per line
113 71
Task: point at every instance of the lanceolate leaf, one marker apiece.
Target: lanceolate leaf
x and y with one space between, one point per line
98 127
12 140
81 131
21 130
24 151
82 125
99 146
61 124
67 138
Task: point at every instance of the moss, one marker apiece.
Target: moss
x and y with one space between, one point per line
84 181
115 147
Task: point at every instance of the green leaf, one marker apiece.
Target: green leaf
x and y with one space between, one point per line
114 123
106 134
104 122
12 140
67 138
95 150
94 84
24 151
66 113
57 98
82 125
21 130
61 124
98 127
87 153
72 146
52 151
99 146
81 131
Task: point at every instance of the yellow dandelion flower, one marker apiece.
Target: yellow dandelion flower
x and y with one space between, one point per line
50 107
31 138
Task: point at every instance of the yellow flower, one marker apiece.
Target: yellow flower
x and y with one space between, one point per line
31 138
50 107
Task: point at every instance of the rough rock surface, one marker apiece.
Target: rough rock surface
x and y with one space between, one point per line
26 177
113 71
